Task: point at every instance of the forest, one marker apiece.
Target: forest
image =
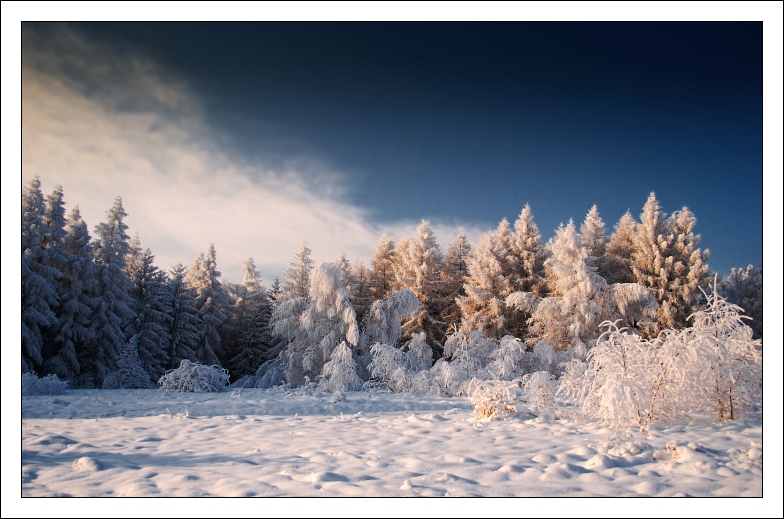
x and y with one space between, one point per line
631 326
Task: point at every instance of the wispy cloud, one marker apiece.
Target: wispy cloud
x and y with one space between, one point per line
106 121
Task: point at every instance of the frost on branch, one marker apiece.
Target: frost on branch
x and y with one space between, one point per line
493 399
195 378
382 321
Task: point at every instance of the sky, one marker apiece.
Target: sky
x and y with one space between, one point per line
257 136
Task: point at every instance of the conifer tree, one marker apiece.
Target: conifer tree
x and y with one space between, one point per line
453 277
39 296
74 335
297 276
616 266
249 317
418 266
151 302
111 248
185 322
382 262
531 254
211 301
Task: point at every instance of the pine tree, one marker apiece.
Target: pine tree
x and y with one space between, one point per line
453 278
297 276
616 265
39 296
570 316
211 301
74 336
275 292
592 235
314 327
418 266
151 302
185 322
113 314
687 269
250 319
744 289
482 307
529 250
383 280
361 289
649 260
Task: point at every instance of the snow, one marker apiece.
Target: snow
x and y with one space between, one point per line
300 443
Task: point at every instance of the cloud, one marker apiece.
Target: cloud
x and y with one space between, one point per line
105 121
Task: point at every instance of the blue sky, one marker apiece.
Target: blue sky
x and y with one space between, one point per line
255 136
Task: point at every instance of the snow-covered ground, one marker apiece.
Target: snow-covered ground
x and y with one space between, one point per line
371 444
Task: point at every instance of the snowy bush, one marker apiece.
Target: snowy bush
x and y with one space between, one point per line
196 378
492 399
340 372
48 385
130 374
539 391
269 374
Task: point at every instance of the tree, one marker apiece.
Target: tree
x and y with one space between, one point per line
453 277
592 237
250 319
130 374
383 277
531 254
185 322
482 306
151 302
39 296
211 301
297 276
418 266
314 327
744 289
570 316
616 265
74 337
361 289
687 269
113 314
340 372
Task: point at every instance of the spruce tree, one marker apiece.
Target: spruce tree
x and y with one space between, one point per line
211 301
185 322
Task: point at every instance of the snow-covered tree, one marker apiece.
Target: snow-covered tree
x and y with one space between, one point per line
570 316
418 266
616 265
130 374
732 380
382 262
530 253
39 295
482 306
592 234
453 278
361 289
315 326
151 302
686 269
74 336
297 276
249 318
111 249
340 372
744 288
211 300
275 292
185 321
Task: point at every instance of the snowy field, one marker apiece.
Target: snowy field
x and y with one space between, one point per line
371 444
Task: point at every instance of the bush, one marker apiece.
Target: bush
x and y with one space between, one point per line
492 399
49 385
195 378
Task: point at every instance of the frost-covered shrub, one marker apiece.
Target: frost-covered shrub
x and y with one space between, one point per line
420 350
130 374
340 372
539 391
492 399
393 366
196 378
269 374
48 385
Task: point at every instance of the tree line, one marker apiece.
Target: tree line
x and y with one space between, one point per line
97 311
